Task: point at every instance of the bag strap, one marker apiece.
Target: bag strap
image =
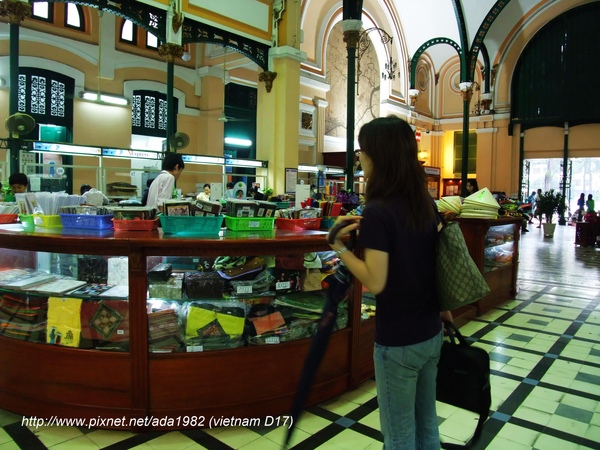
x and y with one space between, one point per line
455 335
441 222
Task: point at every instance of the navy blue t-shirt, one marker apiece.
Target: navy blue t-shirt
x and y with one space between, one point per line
407 309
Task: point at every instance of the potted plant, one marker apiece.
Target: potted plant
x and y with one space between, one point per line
548 204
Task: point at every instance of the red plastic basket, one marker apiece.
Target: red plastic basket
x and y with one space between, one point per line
136 225
298 224
8 218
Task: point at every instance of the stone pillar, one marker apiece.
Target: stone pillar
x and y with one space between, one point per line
279 114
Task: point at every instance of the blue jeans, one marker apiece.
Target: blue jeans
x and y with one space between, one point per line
405 379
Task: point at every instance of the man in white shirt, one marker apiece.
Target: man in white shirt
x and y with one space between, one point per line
162 187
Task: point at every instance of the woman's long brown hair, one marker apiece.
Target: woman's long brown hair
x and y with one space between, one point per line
396 171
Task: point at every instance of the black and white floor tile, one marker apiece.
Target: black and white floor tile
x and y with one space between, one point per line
545 350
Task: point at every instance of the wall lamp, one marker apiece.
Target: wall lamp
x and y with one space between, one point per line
389 72
108 99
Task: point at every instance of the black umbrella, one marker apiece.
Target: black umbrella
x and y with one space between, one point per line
339 283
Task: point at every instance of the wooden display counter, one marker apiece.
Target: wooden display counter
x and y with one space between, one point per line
252 381
494 246
47 381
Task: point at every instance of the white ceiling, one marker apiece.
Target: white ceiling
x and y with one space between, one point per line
423 20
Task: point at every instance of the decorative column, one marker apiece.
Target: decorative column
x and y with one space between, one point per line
351 29
170 51
278 117
561 219
16 11
319 125
466 91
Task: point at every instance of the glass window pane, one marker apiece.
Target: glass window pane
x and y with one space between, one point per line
73 16
151 40
127 31
40 10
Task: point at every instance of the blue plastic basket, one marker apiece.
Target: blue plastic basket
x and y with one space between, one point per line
87 221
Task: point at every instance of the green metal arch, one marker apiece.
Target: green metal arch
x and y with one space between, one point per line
480 36
425 46
462 32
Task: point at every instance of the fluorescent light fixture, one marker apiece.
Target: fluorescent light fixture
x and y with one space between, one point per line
130 153
302 168
65 148
199 159
104 98
245 163
238 142
334 170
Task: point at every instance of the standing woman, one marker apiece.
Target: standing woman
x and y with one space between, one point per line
398 231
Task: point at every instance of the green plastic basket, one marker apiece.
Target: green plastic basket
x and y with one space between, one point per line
249 223
27 221
191 225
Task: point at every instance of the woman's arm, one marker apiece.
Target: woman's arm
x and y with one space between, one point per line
373 270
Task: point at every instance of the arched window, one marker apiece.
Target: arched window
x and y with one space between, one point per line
128 32
61 15
74 16
46 95
149 113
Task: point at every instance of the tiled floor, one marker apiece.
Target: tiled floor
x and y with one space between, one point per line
545 352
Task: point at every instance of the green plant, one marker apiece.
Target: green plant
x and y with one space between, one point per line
549 203
268 192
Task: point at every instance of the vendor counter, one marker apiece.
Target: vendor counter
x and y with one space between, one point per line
143 348
116 337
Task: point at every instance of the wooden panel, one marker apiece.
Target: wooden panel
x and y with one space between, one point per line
65 375
258 380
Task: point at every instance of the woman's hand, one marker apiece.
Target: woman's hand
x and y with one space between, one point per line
342 226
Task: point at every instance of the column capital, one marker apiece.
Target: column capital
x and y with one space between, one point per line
268 78
16 10
171 51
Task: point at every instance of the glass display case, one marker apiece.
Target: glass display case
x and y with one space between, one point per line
68 300
198 304
119 354
499 247
494 246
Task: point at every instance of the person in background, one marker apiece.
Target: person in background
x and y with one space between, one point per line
538 211
19 183
145 193
472 186
398 232
239 194
531 201
255 194
205 194
590 204
162 187
93 196
229 192
580 207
